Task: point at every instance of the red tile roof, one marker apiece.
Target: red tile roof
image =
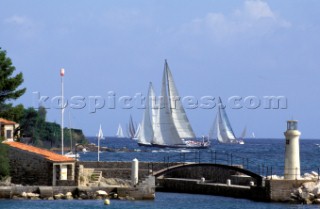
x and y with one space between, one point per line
44 153
7 122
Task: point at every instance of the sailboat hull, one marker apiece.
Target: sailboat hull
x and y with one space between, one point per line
182 146
144 144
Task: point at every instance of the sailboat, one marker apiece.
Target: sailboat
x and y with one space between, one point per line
171 127
120 132
99 136
146 134
131 128
223 129
252 135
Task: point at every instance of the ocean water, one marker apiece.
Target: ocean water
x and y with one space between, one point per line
262 151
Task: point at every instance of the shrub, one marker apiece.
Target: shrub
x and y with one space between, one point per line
4 161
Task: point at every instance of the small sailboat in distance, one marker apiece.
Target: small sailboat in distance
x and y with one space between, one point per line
131 128
120 132
100 136
223 129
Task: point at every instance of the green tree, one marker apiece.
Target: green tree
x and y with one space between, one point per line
9 82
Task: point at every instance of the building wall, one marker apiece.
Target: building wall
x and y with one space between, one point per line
29 169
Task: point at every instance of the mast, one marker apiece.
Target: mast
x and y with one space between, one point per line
62 109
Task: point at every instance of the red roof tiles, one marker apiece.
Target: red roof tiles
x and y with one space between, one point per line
7 122
45 153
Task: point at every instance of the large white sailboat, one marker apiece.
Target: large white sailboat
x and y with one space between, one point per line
222 128
169 122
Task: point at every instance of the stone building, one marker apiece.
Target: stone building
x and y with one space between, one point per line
31 165
7 129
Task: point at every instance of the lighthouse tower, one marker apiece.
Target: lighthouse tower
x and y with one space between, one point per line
292 151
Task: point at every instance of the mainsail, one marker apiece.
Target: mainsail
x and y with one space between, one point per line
165 132
146 130
223 128
178 113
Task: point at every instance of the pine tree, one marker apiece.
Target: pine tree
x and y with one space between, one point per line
9 82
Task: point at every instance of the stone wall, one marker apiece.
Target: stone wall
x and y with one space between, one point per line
122 169
29 169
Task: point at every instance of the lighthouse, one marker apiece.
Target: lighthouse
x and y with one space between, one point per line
292 151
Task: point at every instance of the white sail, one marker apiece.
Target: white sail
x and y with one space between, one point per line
100 133
120 132
213 130
165 132
224 130
154 107
146 130
131 128
100 136
178 113
244 133
136 135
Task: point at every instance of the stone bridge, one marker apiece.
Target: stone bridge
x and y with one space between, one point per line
212 173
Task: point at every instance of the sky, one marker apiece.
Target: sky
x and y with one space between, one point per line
241 51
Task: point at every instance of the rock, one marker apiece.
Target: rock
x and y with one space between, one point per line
313 173
101 193
68 196
58 196
32 195
83 196
308 186
113 195
294 196
23 194
305 195
316 201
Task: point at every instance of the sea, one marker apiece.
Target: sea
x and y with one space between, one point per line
266 152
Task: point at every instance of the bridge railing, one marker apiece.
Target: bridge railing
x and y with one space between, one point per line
219 157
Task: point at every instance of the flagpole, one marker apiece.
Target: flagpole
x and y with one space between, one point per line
62 109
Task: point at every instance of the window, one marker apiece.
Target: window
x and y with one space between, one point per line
9 134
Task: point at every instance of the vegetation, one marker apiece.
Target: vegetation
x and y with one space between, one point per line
9 83
34 129
4 161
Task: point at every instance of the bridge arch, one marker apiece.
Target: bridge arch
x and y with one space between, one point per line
215 173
